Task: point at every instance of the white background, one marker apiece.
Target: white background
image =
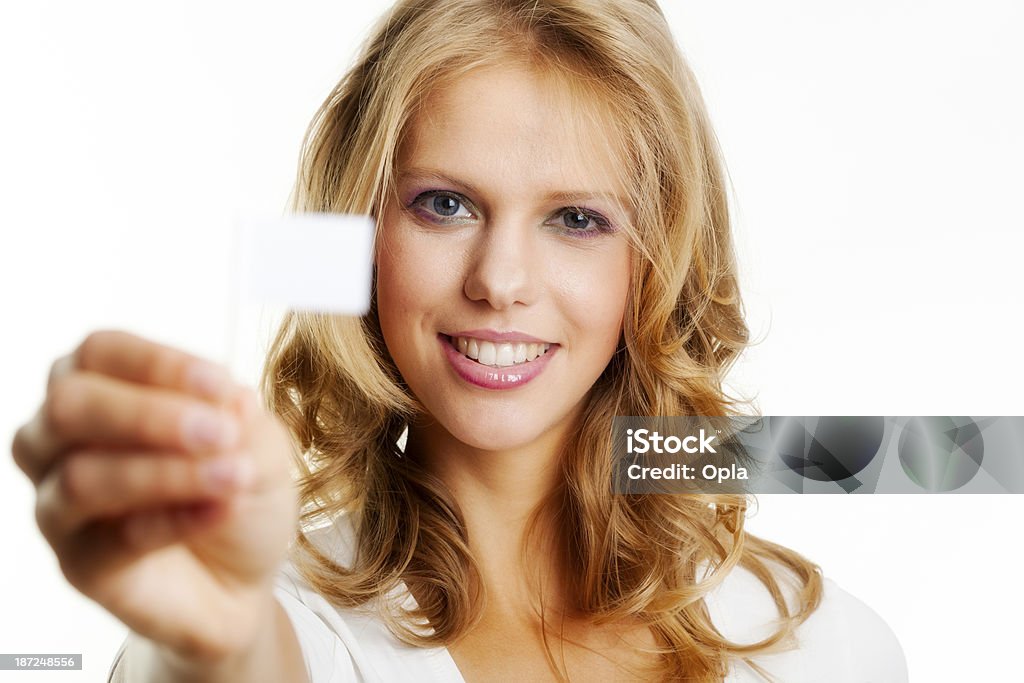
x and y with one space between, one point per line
875 150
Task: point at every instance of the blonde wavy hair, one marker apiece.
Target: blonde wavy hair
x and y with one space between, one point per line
333 382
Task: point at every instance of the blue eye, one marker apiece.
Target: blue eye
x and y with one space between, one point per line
445 205
436 204
439 206
584 223
575 220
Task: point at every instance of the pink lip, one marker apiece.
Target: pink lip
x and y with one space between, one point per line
490 377
494 336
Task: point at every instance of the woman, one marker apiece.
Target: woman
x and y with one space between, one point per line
553 251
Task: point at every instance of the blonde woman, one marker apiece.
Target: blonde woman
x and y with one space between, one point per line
553 250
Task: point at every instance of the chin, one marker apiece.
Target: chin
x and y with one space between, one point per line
498 438
496 432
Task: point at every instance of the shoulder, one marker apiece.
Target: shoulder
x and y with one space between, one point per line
844 640
325 641
349 644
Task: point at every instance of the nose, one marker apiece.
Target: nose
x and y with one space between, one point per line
502 264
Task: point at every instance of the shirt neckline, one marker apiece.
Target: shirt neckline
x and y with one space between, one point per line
444 663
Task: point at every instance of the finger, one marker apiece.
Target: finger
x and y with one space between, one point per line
101 547
274 450
246 404
64 365
94 408
135 359
149 530
90 485
85 407
34 446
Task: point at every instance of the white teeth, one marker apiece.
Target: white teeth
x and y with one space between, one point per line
498 355
488 353
506 355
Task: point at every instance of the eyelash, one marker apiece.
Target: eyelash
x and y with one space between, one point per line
603 225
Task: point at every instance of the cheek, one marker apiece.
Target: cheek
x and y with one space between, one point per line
411 279
596 295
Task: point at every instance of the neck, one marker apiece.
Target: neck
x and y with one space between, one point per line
498 491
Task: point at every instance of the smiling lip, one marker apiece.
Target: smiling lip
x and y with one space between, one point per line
493 336
489 377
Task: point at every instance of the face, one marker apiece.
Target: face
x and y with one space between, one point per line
503 266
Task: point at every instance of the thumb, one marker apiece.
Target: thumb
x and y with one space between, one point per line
245 403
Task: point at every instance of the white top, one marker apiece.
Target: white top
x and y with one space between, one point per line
843 641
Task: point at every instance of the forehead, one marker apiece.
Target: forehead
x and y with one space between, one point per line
527 128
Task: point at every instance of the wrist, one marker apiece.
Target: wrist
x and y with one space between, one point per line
201 662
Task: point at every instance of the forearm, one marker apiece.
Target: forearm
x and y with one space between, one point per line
274 655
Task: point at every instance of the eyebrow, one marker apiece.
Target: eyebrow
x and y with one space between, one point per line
558 196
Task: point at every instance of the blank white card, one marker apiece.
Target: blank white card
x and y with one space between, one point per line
311 261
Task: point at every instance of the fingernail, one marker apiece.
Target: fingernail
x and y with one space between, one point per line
205 427
207 379
227 472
